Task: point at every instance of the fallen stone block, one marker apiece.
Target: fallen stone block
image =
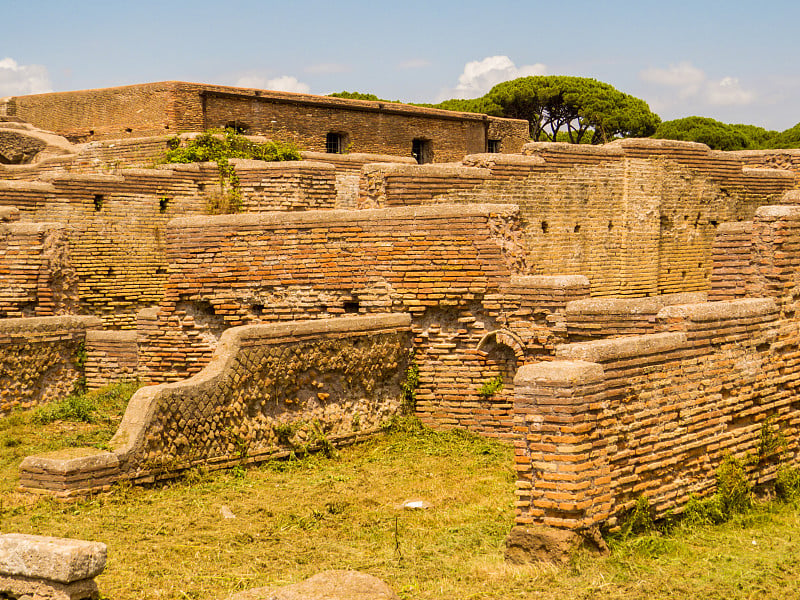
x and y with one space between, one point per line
34 567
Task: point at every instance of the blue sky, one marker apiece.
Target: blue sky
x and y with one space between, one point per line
734 61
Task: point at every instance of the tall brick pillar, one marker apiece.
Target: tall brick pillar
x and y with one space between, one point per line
563 476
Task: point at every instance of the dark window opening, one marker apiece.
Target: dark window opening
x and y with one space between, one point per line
351 306
257 309
336 143
98 202
238 127
493 146
422 151
128 130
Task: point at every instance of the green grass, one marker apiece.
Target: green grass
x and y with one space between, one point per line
296 518
89 419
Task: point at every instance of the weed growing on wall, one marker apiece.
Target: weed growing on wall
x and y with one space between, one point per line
490 387
409 387
220 146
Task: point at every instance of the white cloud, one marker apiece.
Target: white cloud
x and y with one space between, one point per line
480 76
327 68
414 63
285 83
691 84
727 91
19 80
684 77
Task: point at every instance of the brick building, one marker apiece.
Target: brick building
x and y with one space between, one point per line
316 123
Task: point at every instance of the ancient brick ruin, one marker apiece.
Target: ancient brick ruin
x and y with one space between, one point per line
637 300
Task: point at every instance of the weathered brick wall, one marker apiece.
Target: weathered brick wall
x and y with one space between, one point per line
37 274
450 267
638 217
40 358
384 185
731 256
613 317
270 390
655 415
111 356
158 108
137 110
788 159
348 171
114 225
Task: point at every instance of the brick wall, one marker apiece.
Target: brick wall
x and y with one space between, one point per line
654 415
613 317
638 217
450 267
788 159
731 257
37 274
111 356
113 228
270 390
166 107
40 358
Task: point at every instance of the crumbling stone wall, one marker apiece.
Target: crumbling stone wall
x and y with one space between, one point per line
268 391
41 358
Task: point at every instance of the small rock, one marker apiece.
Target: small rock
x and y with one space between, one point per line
416 505
226 512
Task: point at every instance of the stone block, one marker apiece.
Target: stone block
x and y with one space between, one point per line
61 560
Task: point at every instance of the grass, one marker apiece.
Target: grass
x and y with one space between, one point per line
296 518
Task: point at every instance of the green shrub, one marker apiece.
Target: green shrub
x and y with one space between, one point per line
787 484
219 146
72 408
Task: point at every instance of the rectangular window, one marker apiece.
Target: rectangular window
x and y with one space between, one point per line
493 146
335 143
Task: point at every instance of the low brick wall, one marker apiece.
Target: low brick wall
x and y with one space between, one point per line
40 358
612 420
268 390
613 317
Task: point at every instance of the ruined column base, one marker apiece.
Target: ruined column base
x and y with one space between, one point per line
538 543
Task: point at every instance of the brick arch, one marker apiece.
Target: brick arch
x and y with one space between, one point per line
505 337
